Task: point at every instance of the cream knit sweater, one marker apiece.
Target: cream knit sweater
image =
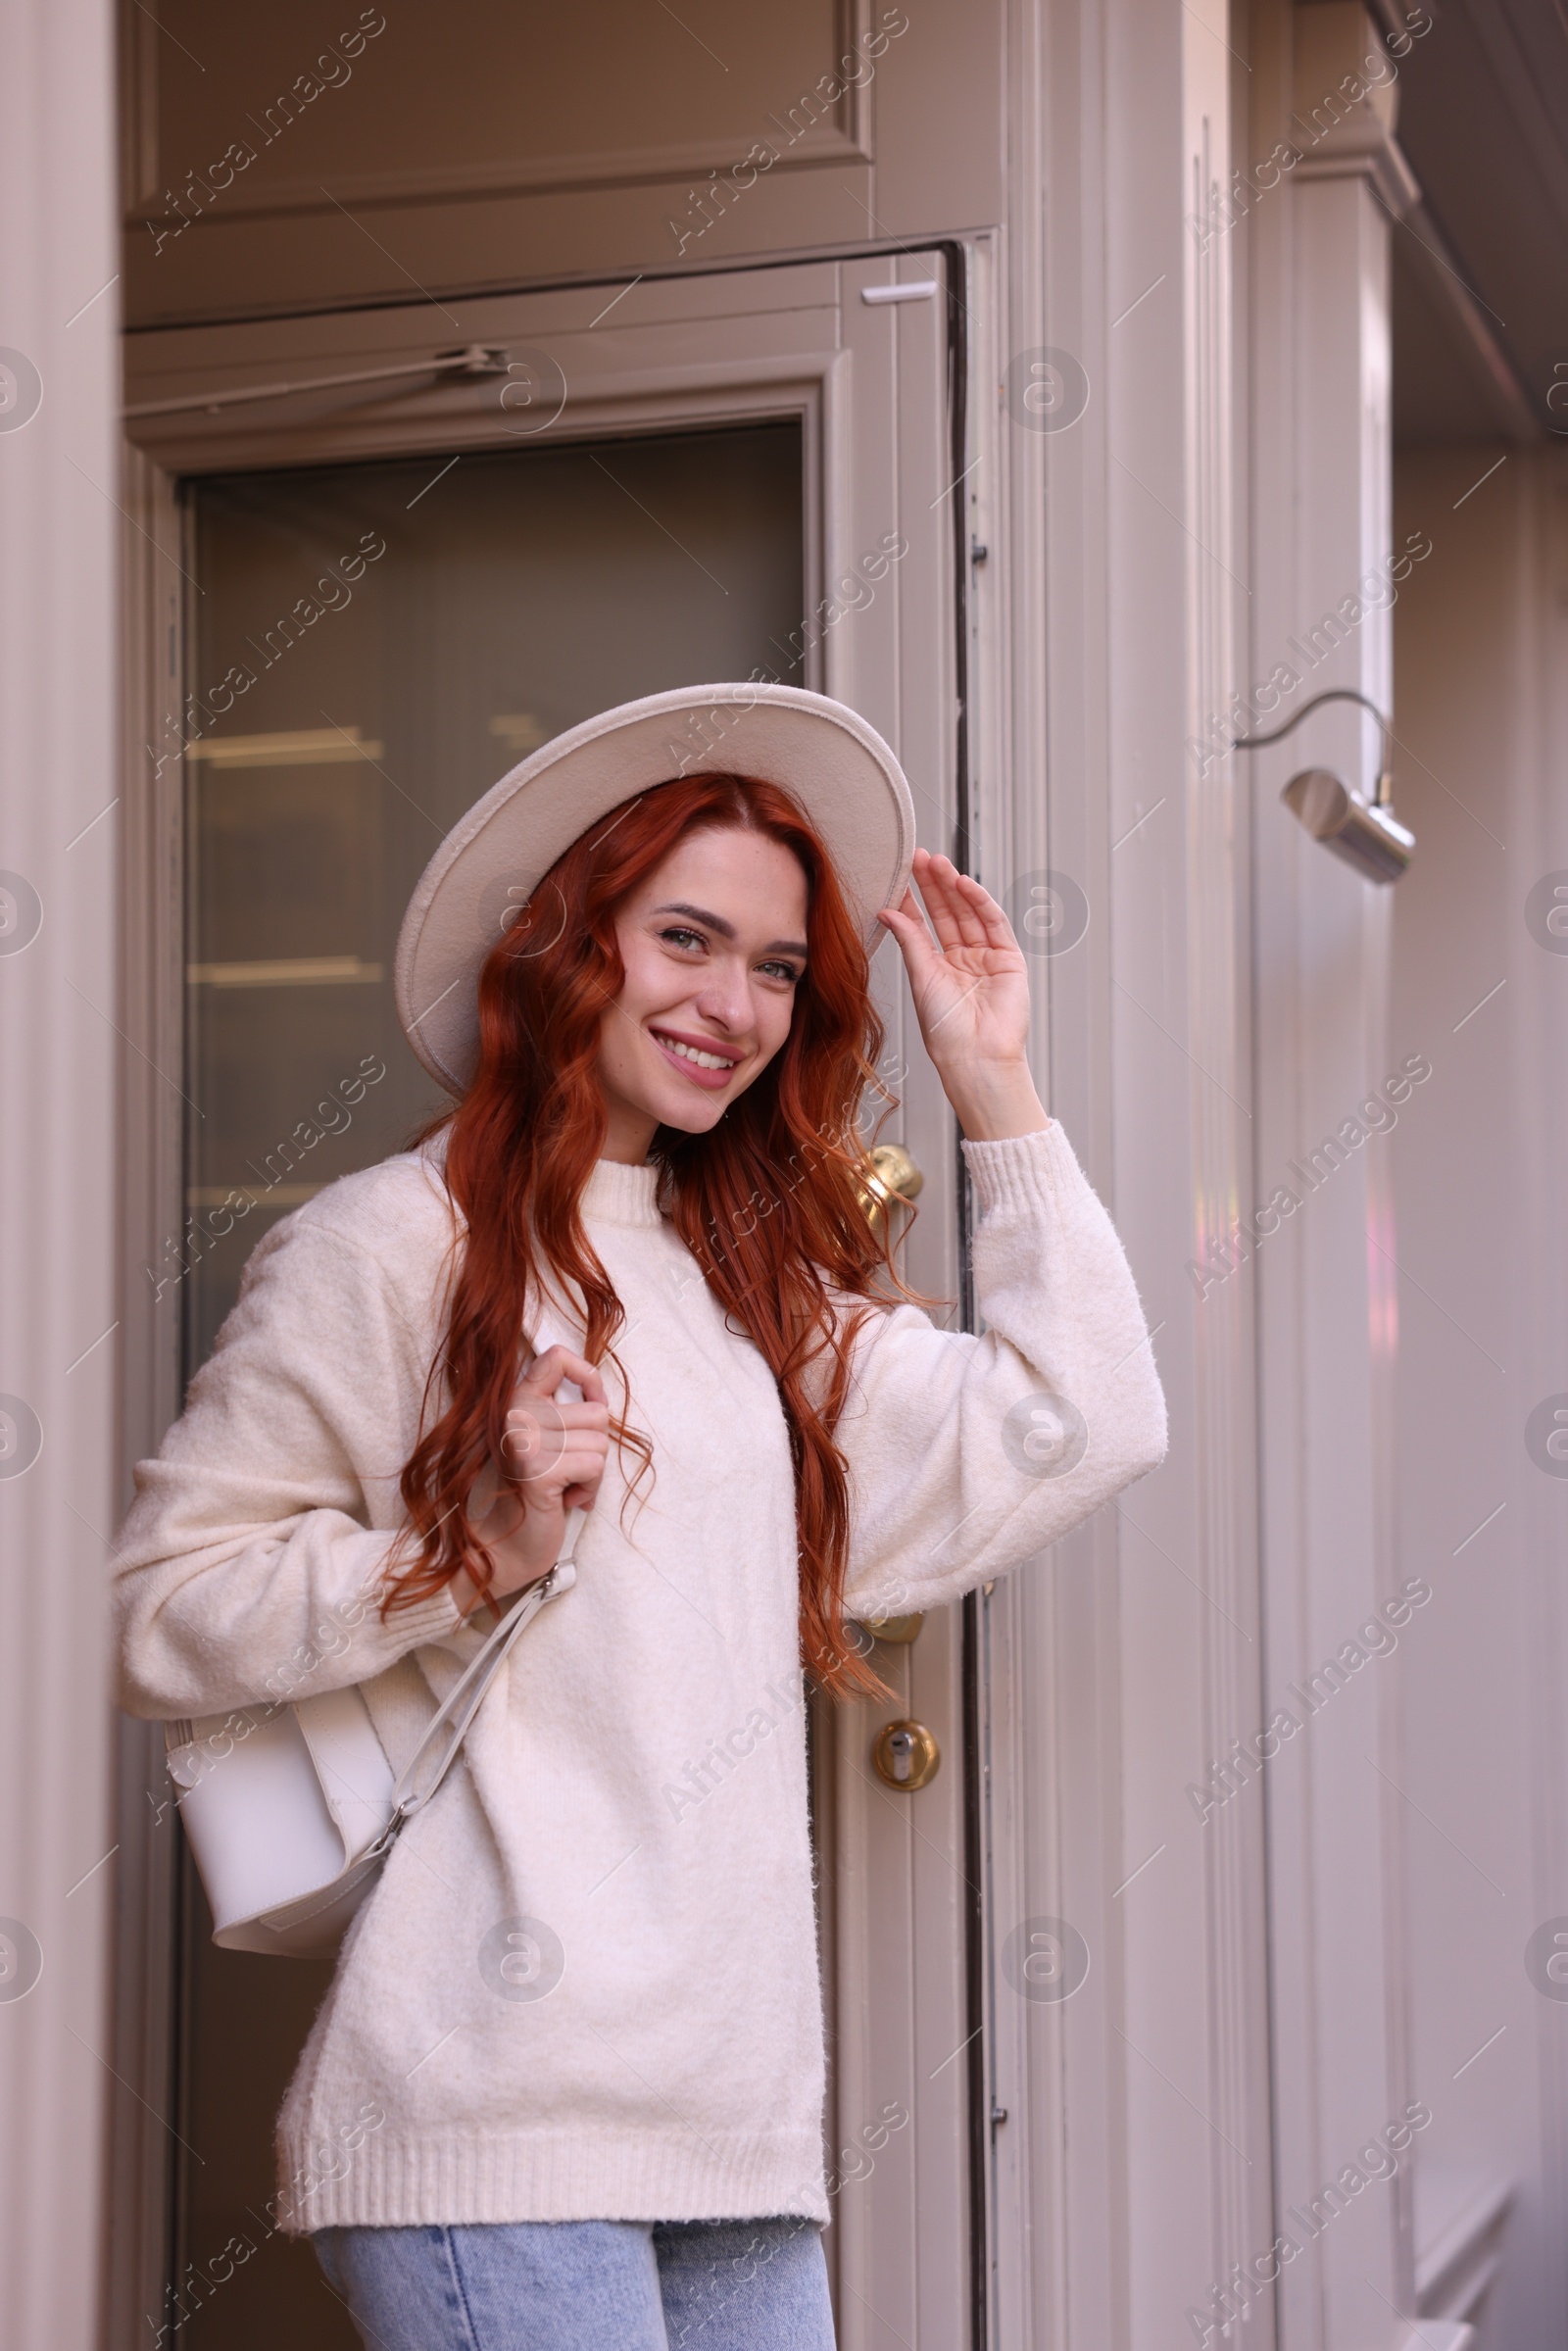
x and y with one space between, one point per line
586 1985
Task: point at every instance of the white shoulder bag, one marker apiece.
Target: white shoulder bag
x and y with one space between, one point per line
291 1809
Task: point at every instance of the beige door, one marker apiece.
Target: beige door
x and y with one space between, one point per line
387 593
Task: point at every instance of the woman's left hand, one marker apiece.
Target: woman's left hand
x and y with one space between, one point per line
970 986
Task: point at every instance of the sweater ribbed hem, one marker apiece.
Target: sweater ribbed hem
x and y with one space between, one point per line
1021 1171
602 2173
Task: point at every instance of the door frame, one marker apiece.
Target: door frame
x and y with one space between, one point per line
740 358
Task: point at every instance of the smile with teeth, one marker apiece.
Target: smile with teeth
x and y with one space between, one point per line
690 1053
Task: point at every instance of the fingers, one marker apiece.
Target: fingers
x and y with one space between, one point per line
908 925
982 909
963 912
940 905
547 1446
905 913
581 1467
546 1372
577 1469
546 1414
538 1439
552 1449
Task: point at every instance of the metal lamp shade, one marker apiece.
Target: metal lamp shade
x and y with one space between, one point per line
1364 833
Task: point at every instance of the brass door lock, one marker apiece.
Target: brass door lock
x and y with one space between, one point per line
898 1629
906 1755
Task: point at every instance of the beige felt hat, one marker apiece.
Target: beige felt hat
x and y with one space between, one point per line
825 755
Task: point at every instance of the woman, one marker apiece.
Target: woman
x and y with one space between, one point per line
572 2053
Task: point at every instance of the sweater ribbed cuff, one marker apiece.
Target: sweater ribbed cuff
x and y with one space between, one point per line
1020 1171
435 1619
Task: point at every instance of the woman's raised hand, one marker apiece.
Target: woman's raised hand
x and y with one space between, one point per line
555 1455
970 986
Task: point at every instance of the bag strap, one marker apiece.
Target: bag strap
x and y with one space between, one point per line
448 1726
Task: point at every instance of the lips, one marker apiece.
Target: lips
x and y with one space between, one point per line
696 1058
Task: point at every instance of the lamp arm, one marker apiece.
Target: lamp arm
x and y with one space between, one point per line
1331 694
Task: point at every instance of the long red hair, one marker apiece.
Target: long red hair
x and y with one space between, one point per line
769 1202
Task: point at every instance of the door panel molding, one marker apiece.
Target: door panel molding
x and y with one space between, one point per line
840 133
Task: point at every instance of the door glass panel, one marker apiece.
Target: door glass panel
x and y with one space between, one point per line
412 631
374 645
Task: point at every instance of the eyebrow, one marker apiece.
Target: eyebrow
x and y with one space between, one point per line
726 930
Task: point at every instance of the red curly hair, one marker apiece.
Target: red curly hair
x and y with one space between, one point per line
770 1202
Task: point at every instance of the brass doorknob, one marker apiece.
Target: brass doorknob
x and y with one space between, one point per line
898 1630
906 1755
891 1174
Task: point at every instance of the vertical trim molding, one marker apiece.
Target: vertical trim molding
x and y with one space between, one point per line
151 1210
59 1015
1323 1281
1225 1432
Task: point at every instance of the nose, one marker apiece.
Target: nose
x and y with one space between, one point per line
725 995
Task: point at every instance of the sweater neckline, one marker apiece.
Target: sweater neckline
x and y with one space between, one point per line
618 1194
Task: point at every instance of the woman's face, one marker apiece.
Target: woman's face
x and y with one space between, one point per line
713 943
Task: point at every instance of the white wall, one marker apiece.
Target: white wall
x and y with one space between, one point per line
58 1173
1482 651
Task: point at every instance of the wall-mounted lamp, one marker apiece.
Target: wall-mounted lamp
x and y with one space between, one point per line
1365 833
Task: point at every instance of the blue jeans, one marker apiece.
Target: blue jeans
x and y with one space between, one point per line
585 2285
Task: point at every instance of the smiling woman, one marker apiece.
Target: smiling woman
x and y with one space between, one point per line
649 994
695 942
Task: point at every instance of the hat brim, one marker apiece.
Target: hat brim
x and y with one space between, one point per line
832 764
